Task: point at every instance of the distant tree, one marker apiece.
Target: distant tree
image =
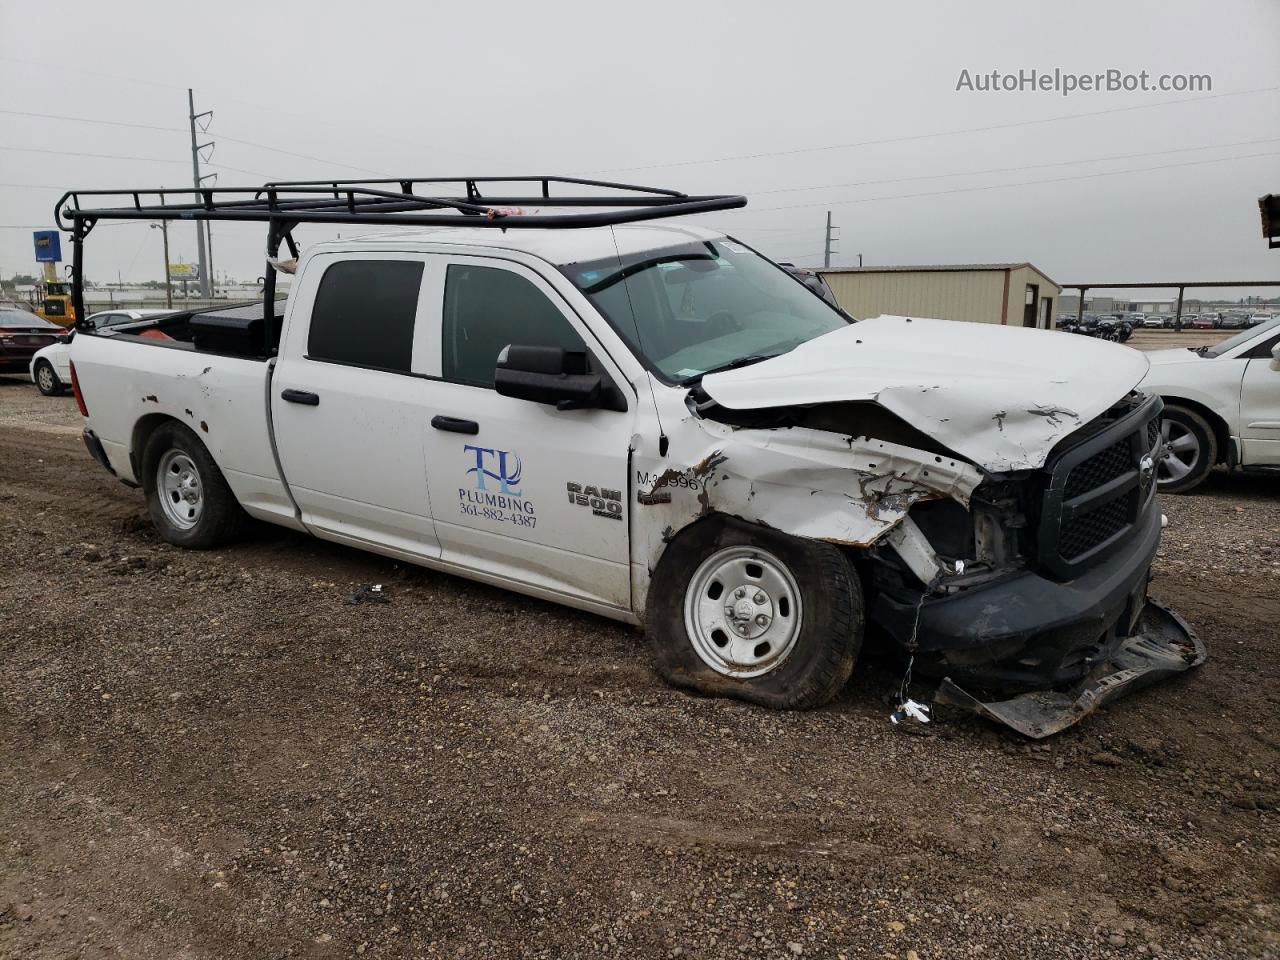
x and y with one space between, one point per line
22 278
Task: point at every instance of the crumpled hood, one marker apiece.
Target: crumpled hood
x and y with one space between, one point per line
1000 396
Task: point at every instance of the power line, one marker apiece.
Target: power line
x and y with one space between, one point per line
937 133
95 156
105 123
1034 166
302 156
1025 183
256 106
45 226
148 126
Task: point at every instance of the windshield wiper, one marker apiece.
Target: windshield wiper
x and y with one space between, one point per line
731 365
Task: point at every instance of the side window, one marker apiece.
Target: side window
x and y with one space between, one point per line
364 313
1263 350
488 308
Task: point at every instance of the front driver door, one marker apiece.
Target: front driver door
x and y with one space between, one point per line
522 491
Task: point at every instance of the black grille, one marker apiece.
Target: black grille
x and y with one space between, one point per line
1097 489
1083 534
1101 468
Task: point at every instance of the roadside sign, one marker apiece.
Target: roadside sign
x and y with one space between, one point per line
48 246
184 271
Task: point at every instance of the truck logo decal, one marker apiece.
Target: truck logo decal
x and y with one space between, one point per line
602 501
495 494
509 468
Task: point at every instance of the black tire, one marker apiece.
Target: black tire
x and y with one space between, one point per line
1185 422
831 627
220 516
47 381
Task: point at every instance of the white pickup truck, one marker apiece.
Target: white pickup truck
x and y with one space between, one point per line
657 424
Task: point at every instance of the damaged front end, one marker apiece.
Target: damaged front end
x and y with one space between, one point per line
1051 617
1023 590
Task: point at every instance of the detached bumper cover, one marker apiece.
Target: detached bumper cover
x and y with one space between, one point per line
1162 645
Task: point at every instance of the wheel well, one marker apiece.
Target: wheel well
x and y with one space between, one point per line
1220 431
142 431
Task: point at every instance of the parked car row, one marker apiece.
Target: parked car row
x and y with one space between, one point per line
1164 321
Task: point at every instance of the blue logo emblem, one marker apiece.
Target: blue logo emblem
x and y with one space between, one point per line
501 466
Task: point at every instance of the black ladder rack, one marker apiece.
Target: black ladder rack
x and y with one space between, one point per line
413 201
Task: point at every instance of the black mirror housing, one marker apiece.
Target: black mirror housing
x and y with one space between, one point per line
555 376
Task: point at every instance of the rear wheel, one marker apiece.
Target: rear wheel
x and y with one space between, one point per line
1189 449
187 496
47 381
743 611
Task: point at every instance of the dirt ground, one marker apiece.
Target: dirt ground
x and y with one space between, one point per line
212 755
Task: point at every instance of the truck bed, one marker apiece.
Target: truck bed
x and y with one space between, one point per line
236 331
201 376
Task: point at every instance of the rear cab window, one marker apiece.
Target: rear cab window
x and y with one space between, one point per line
364 314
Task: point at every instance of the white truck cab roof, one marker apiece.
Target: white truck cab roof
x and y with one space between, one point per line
558 247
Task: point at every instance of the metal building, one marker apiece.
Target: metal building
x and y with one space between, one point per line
1016 294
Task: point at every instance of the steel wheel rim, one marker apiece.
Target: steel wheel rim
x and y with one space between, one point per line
742 612
1179 452
180 489
44 375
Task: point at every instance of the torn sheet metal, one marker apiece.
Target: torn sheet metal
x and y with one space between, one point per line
1163 646
1000 396
808 483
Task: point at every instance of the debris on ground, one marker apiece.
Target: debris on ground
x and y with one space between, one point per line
368 593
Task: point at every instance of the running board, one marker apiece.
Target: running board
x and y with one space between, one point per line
1164 645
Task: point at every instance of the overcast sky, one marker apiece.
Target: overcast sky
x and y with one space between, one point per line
803 107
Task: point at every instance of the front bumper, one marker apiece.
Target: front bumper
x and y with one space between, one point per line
1027 632
1162 645
1063 649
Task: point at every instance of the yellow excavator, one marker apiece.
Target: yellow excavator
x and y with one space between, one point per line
53 295
53 302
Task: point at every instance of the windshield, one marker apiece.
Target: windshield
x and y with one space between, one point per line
689 309
1244 336
20 318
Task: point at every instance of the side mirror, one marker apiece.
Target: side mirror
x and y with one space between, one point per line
65 337
554 376
1275 357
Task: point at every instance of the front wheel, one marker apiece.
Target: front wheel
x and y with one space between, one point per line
748 612
47 381
187 496
1189 450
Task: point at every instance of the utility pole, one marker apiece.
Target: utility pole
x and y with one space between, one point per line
196 147
830 238
163 226
213 277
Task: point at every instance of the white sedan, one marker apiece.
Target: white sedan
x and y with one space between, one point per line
1222 405
51 366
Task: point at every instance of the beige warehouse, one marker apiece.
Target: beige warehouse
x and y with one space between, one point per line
1016 294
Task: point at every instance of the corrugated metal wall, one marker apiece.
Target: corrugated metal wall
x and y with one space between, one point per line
972 295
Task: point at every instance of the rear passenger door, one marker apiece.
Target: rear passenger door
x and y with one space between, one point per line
523 491
348 401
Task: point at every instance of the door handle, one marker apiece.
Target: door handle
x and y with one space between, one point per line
304 397
455 425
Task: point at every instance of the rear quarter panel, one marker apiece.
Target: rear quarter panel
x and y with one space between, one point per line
131 386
